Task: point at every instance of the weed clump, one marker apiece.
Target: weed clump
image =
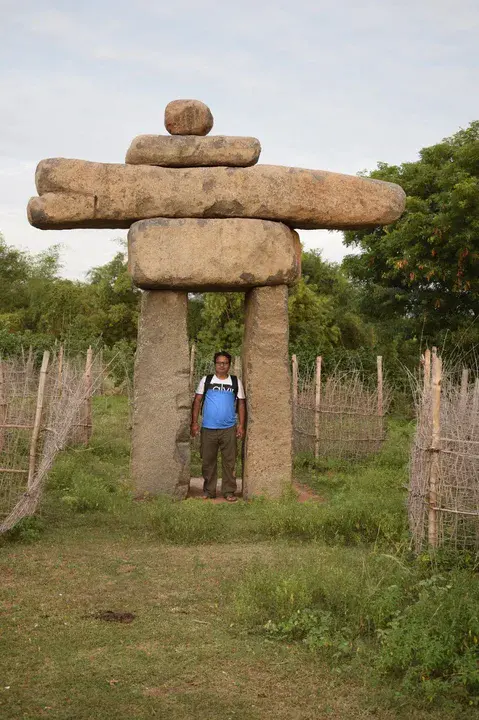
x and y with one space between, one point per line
418 630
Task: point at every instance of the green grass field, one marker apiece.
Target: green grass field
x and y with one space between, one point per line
253 610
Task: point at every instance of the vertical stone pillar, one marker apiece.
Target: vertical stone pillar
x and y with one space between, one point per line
269 437
160 461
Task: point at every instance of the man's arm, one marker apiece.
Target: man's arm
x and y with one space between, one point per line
195 413
241 418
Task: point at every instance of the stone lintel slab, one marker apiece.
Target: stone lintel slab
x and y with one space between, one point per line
118 195
202 255
192 151
160 460
269 437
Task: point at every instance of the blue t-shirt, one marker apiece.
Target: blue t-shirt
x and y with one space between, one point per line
219 408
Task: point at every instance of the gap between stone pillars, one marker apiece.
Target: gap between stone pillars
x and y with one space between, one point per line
268 461
160 460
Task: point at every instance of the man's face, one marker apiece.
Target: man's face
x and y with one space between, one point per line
222 365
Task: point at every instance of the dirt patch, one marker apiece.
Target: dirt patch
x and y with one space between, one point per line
303 492
112 616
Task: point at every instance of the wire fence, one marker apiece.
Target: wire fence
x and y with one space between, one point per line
42 411
338 416
443 503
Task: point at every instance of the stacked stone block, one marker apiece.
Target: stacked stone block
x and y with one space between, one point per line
203 216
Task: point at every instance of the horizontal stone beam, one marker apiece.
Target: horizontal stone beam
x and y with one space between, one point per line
193 151
202 255
115 196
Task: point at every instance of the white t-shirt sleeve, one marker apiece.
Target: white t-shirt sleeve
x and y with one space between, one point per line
201 386
241 395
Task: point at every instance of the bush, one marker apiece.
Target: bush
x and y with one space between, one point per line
432 642
27 530
419 630
86 493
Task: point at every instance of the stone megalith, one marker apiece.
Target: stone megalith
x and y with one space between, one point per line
77 193
207 255
268 456
203 215
160 457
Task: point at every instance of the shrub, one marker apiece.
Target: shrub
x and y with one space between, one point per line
432 642
86 493
419 630
27 530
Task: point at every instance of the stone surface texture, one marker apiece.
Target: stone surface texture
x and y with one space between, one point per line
109 195
191 151
188 117
201 255
269 438
161 416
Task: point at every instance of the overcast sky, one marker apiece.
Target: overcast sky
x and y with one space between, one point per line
327 84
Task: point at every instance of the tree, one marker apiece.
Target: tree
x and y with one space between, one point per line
14 274
424 267
114 301
221 323
328 279
312 328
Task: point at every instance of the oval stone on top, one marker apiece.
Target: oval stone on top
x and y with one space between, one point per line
188 117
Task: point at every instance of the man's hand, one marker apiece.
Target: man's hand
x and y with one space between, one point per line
240 431
195 429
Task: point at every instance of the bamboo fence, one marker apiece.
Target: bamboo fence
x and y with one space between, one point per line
40 412
443 502
337 416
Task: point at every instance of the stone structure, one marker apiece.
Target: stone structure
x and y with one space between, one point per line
77 193
268 453
192 151
204 216
162 404
202 255
188 117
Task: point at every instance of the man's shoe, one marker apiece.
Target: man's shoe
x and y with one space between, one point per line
206 496
231 498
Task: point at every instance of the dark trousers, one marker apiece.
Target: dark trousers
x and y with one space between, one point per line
213 441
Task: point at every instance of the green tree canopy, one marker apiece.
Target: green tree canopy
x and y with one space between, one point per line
424 267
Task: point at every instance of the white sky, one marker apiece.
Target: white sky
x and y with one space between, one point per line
328 84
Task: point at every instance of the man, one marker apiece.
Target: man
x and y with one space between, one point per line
220 394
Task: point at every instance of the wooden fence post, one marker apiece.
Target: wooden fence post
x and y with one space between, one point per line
60 371
435 448
192 367
87 412
427 372
3 405
29 370
317 405
101 388
379 363
38 419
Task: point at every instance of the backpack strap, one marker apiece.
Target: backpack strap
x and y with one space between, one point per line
208 380
234 382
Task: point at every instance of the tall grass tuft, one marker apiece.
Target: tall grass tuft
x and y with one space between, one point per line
419 631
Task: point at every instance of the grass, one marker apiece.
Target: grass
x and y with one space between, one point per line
253 610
